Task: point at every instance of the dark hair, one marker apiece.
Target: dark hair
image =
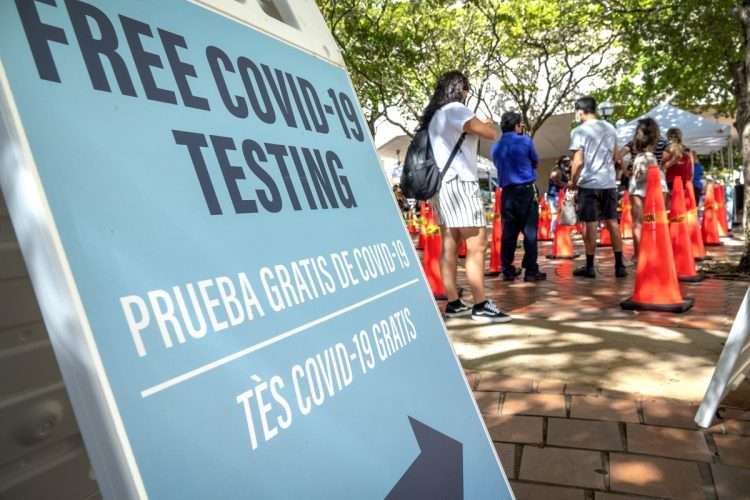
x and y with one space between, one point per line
674 134
646 134
509 120
561 159
587 104
449 88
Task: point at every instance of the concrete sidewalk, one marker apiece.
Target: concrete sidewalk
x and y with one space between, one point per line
586 401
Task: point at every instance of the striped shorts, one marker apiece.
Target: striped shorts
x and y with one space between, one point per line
459 204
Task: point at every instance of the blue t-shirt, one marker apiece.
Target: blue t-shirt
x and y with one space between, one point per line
697 175
515 159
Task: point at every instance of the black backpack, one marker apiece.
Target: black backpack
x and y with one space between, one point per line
421 178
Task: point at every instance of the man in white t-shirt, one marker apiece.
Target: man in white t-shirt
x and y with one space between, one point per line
593 174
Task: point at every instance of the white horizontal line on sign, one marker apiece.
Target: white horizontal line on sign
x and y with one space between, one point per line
260 345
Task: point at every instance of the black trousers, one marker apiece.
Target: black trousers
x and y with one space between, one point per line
520 212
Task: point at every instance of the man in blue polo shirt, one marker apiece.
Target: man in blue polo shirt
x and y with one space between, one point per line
516 161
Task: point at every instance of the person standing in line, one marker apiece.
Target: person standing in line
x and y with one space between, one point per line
661 146
729 201
623 183
698 172
516 161
677 159
594 176
458 202
403 205
644 147
558 179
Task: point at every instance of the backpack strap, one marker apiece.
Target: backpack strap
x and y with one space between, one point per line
455 151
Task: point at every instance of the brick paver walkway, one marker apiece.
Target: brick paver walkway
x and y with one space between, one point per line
562 441
585 401
573 330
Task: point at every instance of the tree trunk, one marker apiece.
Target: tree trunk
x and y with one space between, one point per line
745 138
742 94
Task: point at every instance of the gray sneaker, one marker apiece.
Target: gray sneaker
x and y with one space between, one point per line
487 312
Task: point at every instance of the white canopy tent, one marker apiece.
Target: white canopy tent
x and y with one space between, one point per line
485 167
698 132
395 176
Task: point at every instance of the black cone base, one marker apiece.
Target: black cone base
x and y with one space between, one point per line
685 305
692 279
440 296
713 244
492 274
554 257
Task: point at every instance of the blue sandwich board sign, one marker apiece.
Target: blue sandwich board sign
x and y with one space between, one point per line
236 307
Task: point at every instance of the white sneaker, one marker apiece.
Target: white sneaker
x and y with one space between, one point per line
488 312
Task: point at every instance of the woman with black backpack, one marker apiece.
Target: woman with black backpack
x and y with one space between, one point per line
458 203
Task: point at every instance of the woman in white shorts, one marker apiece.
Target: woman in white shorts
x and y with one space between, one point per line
458 204
645 142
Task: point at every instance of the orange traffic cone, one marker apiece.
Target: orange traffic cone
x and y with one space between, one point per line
422 224
497 236
721 211
605 239
431 260
626 217
696 240
656 284
562 248
462 250
545 222
710 229
680 233
411 224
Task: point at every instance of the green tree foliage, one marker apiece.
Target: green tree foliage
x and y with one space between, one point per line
395 51
549 51
690 52
683 51
532 56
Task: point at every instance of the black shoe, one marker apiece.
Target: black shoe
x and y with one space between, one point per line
585 272
537 276
456 309
487 312
512 275
621 272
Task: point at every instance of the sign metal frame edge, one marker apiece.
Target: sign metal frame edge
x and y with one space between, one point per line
728 374
60 303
